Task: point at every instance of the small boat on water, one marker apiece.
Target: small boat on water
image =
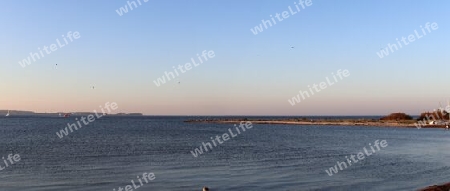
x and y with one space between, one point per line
65 115
7 114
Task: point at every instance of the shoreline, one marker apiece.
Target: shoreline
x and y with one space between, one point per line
441 187
323 122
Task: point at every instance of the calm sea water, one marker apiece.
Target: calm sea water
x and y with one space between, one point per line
112 151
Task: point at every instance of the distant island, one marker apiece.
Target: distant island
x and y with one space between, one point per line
57 114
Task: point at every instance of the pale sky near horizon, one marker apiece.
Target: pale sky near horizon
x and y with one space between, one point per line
250 74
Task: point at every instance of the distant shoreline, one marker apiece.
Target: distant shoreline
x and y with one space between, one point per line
57 114
323 122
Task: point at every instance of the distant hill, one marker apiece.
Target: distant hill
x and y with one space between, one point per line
14 112
31 113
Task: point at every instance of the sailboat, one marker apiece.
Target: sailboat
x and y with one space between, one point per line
7 114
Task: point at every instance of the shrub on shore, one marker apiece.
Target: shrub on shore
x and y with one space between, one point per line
437 115
397 116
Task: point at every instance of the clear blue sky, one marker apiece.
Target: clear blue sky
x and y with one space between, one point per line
250 75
